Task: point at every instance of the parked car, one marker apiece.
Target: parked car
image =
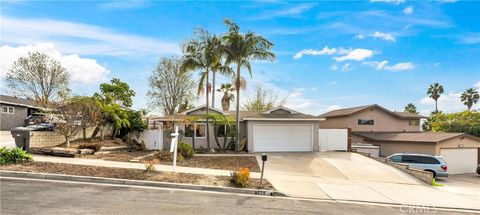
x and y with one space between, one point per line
430 163
39 122
478 169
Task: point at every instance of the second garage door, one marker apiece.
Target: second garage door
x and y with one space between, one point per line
283 138
460 160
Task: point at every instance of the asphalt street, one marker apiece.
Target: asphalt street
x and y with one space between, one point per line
28 196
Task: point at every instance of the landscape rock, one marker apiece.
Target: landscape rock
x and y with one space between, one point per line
86 151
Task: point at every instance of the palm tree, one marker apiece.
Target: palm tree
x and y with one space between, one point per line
239 49
217 64
435 90
411 108
203 54
470 97
227 97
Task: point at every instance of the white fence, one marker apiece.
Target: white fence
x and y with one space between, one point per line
333 139
152 138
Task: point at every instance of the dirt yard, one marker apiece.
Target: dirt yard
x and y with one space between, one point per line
133 174
119 155
217 162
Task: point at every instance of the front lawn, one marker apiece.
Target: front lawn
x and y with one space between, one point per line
133 174
232 163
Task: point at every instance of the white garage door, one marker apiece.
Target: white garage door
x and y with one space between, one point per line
460 160
283 138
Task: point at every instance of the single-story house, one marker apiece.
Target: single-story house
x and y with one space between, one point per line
15 110
460 151
277 130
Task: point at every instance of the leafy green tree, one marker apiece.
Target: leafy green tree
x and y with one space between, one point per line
411 108
117 91
263 100
240 49
37 76
467 122
434 91
470 97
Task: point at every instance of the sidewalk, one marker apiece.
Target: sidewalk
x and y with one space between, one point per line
129 165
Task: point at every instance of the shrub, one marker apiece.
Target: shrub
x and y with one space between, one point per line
167 156
94 146
241 177
14 155
150 165
185 149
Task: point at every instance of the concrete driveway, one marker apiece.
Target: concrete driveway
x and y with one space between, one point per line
351 176
6 139
465 184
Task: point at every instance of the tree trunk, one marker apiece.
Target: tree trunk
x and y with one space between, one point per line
436 107
67 139
207 133
213 88
215 134
95 133
237 110
102 133
113 132
225 103
84 133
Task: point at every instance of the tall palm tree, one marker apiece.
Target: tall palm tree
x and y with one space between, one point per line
227 97
217 65
470 97
202 54
239 49
435 90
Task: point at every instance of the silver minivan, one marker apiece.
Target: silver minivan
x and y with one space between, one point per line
431 163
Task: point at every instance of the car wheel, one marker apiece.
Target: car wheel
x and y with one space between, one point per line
433 172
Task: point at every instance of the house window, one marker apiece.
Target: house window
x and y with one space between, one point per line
195 129
366 122
189 132
413 122
9 110
199 130
224 130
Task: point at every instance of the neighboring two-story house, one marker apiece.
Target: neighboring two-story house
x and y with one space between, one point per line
397 132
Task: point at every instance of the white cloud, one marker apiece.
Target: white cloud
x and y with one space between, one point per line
82 70
334 67
408 10
79 38
287 12
380 35
345 67
448 102
356 54
383 65
124 5
324 51
390 1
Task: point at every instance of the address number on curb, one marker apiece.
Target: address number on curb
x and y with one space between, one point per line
263 193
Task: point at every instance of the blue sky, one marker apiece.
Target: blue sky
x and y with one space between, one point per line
330 54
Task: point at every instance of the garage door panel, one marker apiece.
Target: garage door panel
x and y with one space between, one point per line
283 138
460 160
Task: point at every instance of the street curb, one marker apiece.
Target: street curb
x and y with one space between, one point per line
62 177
